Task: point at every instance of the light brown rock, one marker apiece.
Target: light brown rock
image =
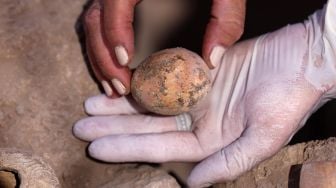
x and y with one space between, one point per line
142 177
275 172
7 179
32 170
318 174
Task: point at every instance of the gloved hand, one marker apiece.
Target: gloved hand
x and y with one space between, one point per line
264 90
110 38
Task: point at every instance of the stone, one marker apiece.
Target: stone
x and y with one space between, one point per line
320 174
31 170
278 170
7 179
142 177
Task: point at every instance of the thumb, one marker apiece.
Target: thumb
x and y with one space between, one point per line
224 28
250 149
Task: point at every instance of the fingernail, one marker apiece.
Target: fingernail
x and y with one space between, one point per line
121 55
119 86
107 88
216 55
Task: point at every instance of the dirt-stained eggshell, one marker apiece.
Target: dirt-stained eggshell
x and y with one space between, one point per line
171 81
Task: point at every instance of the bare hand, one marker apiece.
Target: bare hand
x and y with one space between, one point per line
110 38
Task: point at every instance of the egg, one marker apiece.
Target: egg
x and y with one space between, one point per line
171 81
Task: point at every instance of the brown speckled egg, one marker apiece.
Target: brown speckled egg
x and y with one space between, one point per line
171 81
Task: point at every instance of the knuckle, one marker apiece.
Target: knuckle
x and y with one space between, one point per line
231 30
236 30
92 16
240 30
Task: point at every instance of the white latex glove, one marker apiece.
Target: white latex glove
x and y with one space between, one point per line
263 92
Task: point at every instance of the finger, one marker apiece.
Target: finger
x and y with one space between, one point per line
108 89
95 127
224 28
102 105
119 76
254 146
118 29
162 147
